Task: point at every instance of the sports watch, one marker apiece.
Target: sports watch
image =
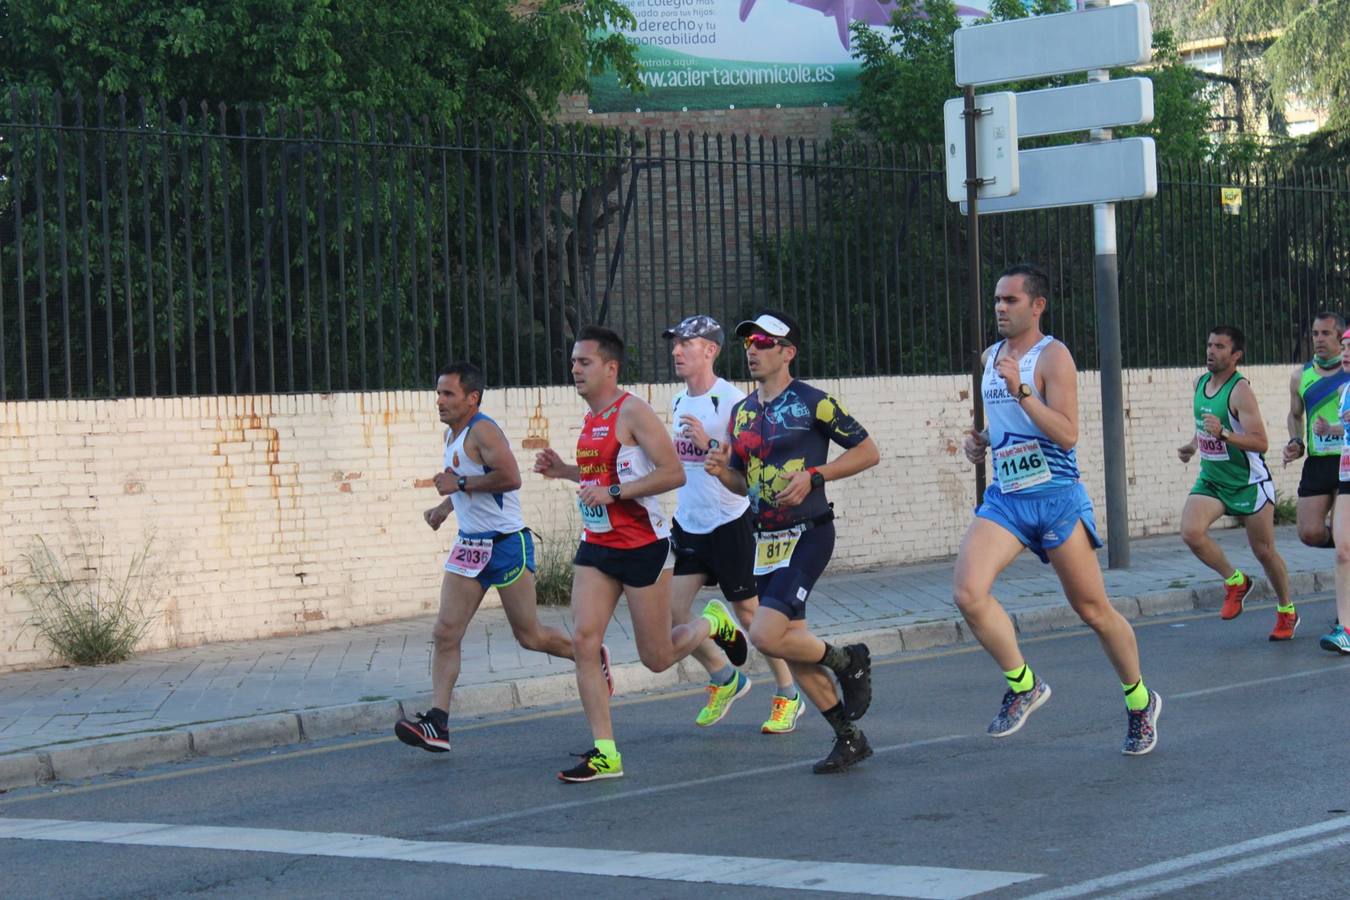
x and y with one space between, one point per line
462 482
817 479
614 491
1023 391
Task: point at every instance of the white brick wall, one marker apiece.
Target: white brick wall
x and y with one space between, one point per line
276 515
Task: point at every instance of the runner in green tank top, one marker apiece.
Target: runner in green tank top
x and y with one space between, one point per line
1314 429
1234 480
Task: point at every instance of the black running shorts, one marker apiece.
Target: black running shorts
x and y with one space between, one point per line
724 556
1321 476
637 567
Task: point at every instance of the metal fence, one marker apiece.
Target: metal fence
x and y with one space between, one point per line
153 250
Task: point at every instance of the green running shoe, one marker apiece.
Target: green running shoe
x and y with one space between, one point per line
726 633
720 698
783 718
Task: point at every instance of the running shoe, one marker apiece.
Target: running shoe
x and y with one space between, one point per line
1338 641
606 670
428 731
594 766
847 751
1012 715
855 682
783 718
1141 734
1285 626
1233 596
727 634
720 698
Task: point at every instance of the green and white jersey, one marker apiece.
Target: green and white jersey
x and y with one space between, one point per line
1220 463
1321 400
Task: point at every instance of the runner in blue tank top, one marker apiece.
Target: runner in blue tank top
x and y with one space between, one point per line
1036 500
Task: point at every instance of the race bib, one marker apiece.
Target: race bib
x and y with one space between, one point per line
595 518
1211 448
469 556
1020 466
1324 444
688 451
1345 463
773 549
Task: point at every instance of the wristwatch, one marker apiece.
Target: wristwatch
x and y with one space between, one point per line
463 484
817 479
1023 391
614 491
713 443
1223 434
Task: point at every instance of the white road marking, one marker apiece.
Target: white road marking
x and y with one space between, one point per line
1270 858
676 786
804 875
1257 682
1170 866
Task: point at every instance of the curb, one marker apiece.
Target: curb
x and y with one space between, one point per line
225 738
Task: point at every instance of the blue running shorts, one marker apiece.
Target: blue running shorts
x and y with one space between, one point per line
1044 520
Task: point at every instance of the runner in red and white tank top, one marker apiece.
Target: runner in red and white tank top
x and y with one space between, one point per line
603 460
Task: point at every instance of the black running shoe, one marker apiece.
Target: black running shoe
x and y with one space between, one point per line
594 766
856 681
846 752
429 732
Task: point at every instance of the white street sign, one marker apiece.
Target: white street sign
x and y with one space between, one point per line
995 145
1081 107
1053 45
1080 174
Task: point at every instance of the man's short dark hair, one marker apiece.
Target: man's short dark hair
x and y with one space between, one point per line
1331 314
609 342
1034 279
470 378
1233 333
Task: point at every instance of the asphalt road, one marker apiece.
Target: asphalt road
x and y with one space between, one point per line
1245 796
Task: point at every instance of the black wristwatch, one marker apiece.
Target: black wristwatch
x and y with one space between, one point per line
817 480
614 491
713 443
463 484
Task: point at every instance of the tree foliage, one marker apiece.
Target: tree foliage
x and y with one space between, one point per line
481 59
1310 50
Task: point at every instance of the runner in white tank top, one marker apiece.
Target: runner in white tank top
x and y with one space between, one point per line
713 534
481 484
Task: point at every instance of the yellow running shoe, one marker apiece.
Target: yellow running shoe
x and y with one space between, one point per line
783 718
720 698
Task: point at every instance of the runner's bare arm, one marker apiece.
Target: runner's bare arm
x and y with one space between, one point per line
437 515
1249 414
1057 416
1294 448
852 461
548 463
495 454
640 421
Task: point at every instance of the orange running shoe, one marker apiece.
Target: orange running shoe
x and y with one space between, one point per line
1232 600
1285 626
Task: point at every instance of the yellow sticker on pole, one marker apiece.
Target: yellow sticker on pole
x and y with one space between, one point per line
1230 199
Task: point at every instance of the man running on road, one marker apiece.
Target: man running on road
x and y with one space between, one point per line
481 485
1036 499
713 530
1338 640
625 460
1234 479
1314 406
780 441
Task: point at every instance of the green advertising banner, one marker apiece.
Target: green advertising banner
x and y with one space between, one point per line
719 54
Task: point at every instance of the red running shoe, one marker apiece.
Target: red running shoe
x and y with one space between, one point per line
1232 599
1285 626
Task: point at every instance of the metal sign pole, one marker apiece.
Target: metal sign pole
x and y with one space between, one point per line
976 317
1107 288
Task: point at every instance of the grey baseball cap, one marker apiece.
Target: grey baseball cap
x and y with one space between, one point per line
697 327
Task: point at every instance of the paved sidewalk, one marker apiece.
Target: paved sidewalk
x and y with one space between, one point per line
220 699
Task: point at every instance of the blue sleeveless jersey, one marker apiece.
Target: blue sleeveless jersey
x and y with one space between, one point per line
1009 424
